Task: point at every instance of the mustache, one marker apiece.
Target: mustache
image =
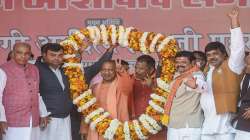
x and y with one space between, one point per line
213 59
180 67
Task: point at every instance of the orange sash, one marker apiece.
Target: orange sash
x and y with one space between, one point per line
177 83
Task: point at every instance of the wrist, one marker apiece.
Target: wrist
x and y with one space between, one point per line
235 23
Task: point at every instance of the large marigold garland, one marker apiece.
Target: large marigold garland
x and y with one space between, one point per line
100 120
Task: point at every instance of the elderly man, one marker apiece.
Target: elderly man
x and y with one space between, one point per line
19 96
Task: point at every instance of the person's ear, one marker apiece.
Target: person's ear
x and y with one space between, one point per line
44 54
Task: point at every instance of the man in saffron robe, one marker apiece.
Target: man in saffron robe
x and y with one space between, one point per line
112 93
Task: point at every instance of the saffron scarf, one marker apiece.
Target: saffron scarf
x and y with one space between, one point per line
177 83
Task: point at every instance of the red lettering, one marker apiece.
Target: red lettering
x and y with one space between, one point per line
190 3
102 3
225 1
126 3
161 3
209 3
243 3
80 4
33 4
142 4
7 5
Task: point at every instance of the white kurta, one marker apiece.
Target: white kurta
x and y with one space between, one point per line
25 133
216 125
15 133
58 128
184 134
242 135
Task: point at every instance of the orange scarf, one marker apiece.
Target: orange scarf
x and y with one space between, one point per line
177 83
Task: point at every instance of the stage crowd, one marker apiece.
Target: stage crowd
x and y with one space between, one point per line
210 90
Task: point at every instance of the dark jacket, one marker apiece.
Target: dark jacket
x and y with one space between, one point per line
243 124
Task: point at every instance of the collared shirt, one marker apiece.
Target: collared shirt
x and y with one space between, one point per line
58 74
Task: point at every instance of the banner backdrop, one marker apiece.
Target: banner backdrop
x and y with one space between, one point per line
193 22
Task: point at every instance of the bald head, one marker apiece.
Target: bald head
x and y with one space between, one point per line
21 53
21 44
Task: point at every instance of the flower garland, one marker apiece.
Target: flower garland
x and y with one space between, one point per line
146 125
110 132
100 120
126 131
138 130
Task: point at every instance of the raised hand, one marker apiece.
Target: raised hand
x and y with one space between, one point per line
234 16
119 67
234 13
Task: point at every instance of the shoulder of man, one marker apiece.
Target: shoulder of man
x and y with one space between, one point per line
5 64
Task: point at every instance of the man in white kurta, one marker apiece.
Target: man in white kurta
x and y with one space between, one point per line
218 126
186 116
58 127
54 89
